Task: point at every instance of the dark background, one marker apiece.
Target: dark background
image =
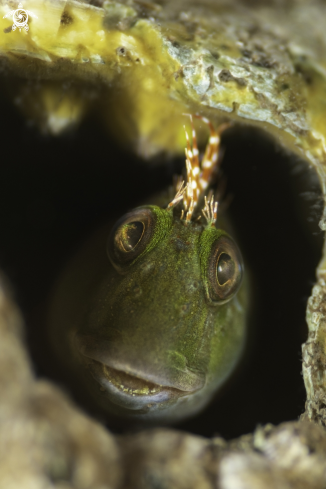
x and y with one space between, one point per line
55 191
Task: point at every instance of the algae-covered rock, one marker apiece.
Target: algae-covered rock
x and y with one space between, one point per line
149 62
140 66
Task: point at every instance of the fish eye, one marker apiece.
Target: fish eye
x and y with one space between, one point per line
225 269
130 236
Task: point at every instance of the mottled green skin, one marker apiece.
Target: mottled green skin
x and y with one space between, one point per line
155 320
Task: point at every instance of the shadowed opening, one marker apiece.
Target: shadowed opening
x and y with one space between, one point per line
55 193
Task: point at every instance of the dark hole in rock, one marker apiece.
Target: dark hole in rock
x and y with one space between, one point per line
275 210
55 192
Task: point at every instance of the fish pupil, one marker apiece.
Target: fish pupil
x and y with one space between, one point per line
130 234
225 268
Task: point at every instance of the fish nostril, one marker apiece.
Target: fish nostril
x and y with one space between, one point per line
137 291
193 287
184 309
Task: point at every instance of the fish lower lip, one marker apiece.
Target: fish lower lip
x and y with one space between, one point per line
119 384
129 384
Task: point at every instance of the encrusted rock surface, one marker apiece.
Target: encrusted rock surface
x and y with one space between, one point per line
45 442
142 64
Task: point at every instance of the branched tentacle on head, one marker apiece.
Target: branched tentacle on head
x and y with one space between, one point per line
199 175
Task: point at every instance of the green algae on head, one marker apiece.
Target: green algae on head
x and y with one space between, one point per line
157 328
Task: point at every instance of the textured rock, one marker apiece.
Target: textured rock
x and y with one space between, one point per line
142 64
44 441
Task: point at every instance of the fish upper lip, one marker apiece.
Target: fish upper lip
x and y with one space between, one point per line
135 398
128 380
130 384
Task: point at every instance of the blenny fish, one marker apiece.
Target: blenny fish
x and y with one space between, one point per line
156 324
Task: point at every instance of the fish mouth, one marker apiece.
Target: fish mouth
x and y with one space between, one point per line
128 383
128 391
